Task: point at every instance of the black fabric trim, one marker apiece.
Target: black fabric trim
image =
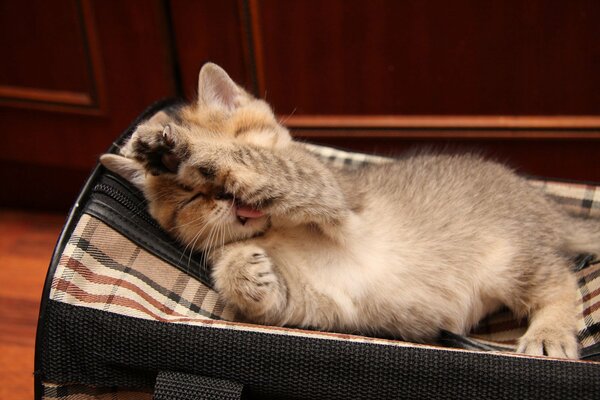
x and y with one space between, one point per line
72 219
135 227
99 348
179 386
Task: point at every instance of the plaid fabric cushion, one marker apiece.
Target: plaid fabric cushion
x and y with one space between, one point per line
52 391
102 269
344 159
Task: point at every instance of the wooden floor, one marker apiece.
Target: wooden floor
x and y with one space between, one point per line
26 244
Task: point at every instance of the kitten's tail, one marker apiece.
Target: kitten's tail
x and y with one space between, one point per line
582 235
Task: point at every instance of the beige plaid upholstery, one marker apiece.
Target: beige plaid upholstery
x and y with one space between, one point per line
95 272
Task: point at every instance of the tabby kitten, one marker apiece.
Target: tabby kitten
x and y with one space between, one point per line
407 248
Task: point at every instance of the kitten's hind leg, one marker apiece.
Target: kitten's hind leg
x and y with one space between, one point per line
245 277
552 315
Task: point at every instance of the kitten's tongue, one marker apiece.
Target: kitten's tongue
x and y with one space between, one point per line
248 212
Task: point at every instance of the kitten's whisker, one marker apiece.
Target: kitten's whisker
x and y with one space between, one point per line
209 224
221 227
192 243
209 242
188 223
283 121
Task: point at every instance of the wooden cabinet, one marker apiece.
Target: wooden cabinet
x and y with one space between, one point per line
516 80
74 74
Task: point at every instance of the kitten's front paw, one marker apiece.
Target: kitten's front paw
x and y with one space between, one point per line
158 147
553 341
244 275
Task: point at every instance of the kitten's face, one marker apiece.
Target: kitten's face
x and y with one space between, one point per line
196 211
180 196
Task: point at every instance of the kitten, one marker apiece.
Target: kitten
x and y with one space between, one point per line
406 248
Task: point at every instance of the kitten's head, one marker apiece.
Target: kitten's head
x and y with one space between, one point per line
222 111
180 197
226 111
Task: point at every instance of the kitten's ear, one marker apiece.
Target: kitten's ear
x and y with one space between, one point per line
125 167
217 89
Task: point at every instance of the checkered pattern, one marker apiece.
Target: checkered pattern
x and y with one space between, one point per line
104 270
95 272
344 159
501 331
81 392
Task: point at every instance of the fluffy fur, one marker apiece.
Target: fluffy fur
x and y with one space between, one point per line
407 248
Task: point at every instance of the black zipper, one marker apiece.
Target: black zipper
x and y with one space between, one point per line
125 201
121 206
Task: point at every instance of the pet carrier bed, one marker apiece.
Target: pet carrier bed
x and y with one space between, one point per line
126 314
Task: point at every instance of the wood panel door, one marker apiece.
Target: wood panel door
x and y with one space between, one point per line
516 80
74 75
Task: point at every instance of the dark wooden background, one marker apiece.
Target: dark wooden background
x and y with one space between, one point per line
518 80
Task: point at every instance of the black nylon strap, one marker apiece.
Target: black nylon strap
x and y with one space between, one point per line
102 349
180 386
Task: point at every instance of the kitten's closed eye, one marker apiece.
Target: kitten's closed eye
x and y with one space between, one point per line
194 197
222 195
